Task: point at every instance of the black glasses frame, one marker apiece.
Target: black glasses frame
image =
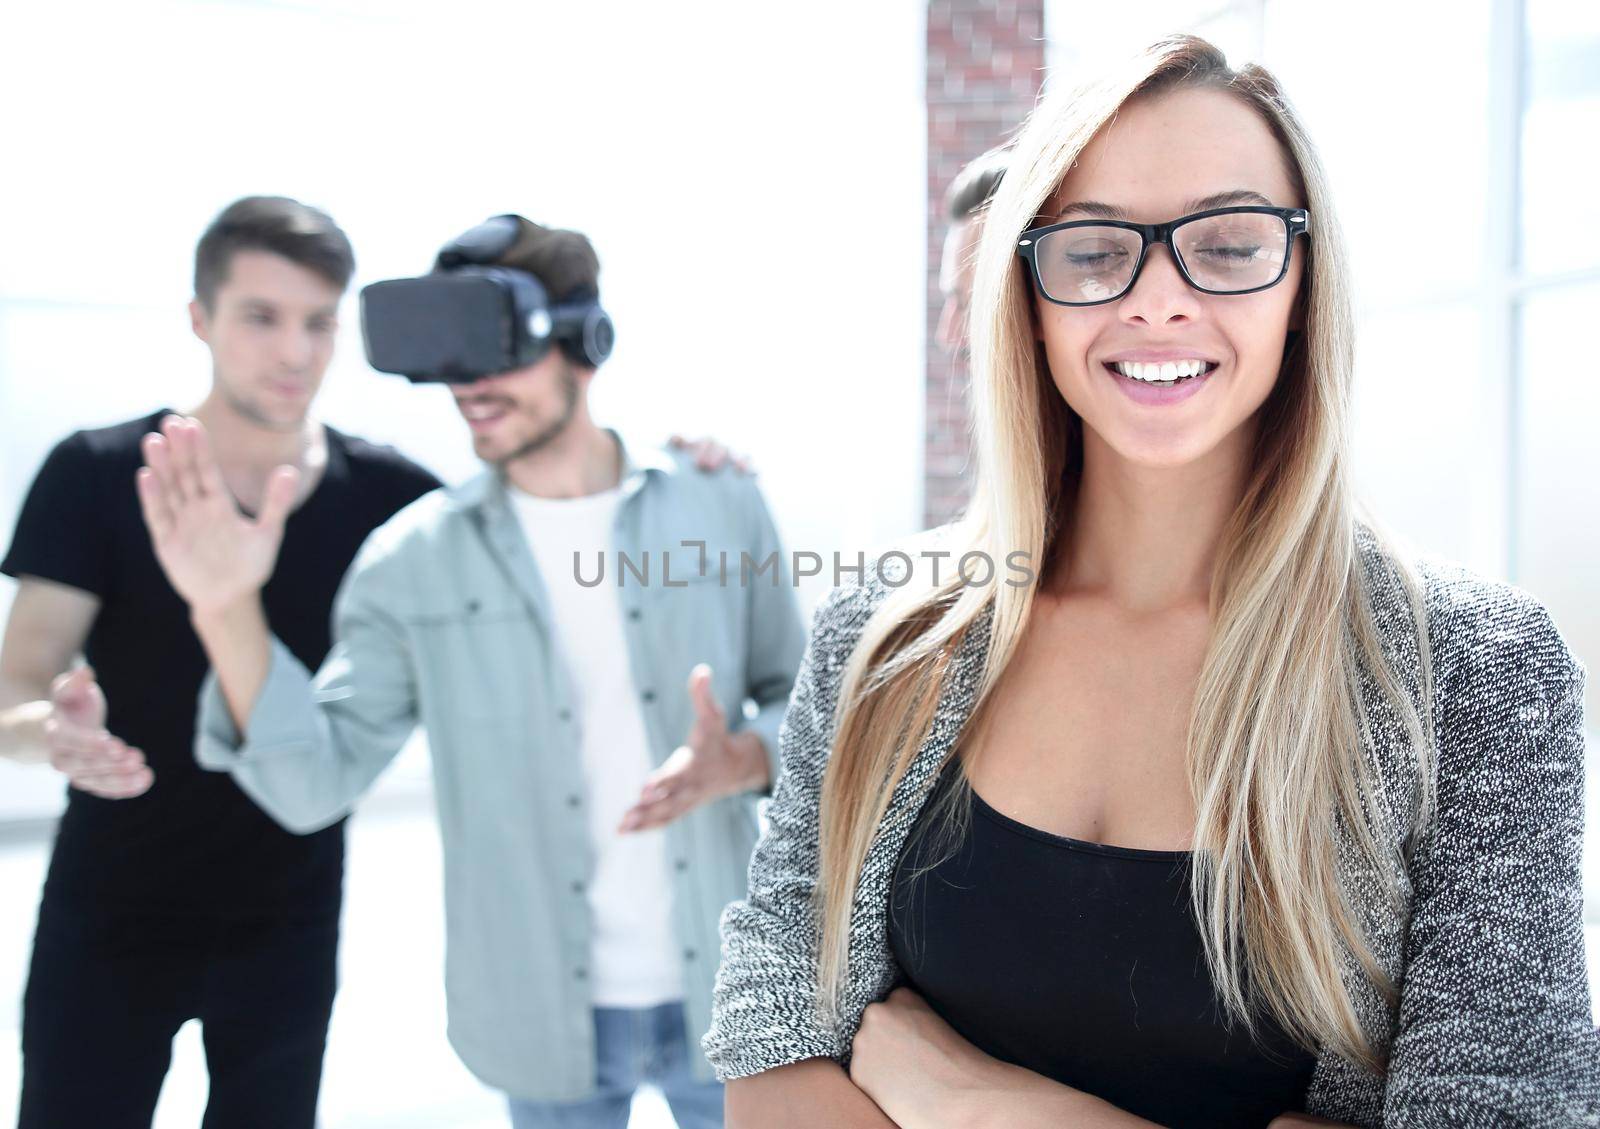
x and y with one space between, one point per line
1296 222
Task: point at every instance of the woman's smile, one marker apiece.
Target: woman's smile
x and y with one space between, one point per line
1157 383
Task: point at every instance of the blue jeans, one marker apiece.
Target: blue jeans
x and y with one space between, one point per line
632 1046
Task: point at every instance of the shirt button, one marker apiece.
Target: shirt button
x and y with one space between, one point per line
472 606
574 801
649 695
580 973
577 887
682 864
688 954
565 715
633 613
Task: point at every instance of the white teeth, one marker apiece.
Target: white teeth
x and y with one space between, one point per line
480 411
1159 372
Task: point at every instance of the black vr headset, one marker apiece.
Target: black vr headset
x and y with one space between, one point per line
469 319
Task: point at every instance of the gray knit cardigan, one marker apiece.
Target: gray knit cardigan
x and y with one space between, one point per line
1493 1025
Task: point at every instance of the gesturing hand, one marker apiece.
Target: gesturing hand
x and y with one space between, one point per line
711 764
92 759
212 554
710 455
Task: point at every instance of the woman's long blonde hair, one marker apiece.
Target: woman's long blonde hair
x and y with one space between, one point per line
1278 725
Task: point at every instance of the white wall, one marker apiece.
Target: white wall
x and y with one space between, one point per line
752 176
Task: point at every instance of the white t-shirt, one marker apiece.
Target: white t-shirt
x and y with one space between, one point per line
635 959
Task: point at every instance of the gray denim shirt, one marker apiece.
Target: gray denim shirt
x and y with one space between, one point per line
444 620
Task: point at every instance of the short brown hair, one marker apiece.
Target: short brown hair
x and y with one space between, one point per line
300 233
975 184
563 261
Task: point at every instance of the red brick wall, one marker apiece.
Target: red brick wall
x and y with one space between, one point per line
984 65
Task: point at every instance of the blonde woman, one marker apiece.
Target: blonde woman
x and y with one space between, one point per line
1234 816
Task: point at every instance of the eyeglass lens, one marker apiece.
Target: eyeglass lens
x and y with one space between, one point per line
1226 253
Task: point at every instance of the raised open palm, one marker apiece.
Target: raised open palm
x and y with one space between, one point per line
213 554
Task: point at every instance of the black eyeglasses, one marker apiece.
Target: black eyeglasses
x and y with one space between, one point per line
1222 251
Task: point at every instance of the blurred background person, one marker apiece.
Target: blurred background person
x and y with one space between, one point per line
171 896
963 209
596 767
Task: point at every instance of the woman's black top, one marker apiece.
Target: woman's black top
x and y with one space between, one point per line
1082 962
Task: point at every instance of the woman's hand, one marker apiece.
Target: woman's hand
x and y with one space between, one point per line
913 1064
801 1095
924 1075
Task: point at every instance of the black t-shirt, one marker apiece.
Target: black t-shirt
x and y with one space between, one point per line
194 843
1082 962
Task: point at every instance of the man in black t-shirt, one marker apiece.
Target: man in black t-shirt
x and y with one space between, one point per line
170 894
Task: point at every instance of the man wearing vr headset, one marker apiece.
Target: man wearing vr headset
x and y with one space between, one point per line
170 894
595 763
